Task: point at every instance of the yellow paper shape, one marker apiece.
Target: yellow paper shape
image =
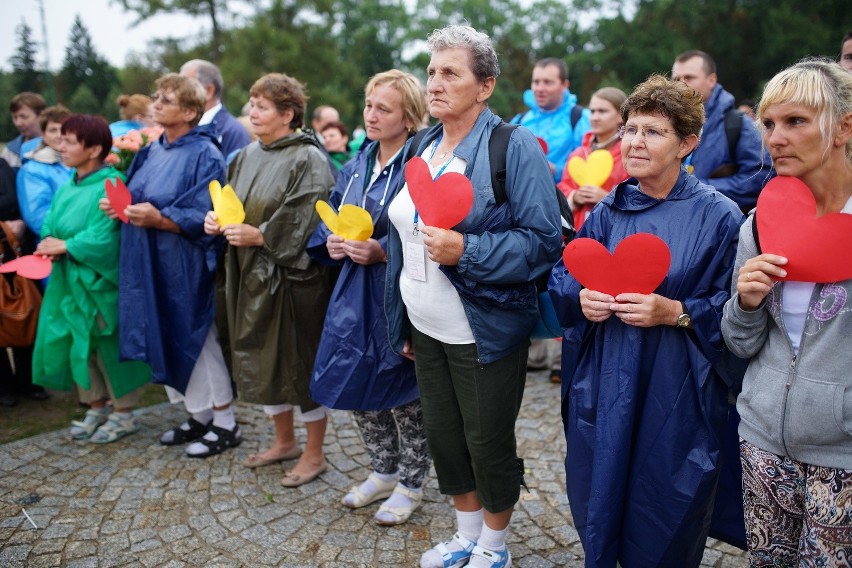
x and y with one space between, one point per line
350 222
227 206
594 170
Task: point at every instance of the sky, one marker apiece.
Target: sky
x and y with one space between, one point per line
108 24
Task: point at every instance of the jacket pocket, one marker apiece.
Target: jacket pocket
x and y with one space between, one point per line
815 414
843 409
761 402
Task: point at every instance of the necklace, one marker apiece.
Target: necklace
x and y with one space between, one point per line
597 144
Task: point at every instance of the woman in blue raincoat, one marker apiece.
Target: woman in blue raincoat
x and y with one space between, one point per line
168 267
643 408
356 369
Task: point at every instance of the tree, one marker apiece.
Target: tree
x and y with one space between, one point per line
84 101
84 66
216 10
25 76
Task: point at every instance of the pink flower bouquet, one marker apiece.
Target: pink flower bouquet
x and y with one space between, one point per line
125 147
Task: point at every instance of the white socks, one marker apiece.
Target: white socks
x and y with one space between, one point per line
491 539
469 524
399 500
224 418
203 417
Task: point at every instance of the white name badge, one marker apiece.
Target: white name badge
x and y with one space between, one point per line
415 261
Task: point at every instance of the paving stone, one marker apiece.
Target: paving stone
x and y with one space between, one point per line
136 503
15 553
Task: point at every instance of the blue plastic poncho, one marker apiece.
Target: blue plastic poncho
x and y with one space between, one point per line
166 304
356 369
644 411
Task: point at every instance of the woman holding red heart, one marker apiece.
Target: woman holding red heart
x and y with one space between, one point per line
77 341
460 296
643 407
796 400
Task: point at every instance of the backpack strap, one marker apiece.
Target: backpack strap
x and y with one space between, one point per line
576 113
416 140
733 128
754 232
498 145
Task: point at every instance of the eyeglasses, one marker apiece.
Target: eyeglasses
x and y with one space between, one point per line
648 133
162 99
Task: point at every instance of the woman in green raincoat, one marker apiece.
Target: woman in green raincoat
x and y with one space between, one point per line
77 338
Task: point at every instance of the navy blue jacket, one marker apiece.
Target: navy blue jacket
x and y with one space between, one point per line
752 162
231 134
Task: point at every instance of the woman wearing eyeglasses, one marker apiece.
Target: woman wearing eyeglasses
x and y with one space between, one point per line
168 267
643 409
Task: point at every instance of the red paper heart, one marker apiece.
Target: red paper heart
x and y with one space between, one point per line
443 202
118 196
542 143
30 266
817 249
639 265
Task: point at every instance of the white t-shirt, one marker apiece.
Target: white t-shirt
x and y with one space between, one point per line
796 301
433 305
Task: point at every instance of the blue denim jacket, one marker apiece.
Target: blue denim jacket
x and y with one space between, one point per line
504 257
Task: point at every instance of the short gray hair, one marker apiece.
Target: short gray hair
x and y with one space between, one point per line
206 73
480 46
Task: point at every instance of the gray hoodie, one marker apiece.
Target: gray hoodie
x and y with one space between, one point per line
795 406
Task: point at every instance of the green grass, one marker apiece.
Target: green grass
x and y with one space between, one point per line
32 417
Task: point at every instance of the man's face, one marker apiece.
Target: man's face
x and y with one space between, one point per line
693 74
326 116
25 120
846 55
548 90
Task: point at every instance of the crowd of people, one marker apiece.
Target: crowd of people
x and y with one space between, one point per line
423 331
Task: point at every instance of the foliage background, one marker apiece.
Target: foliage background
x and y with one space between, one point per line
334 46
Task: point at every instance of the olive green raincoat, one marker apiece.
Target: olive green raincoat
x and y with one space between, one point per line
273 298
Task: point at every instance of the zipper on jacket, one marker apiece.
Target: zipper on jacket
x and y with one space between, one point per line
791 376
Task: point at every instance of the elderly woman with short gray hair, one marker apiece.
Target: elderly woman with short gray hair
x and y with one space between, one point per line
471 353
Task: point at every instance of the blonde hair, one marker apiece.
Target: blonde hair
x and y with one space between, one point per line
612 95
413 103
131 105
189 92
817 83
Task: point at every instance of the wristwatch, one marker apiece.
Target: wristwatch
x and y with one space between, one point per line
683 320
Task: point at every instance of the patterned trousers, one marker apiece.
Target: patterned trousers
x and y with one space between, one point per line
796 514
396 442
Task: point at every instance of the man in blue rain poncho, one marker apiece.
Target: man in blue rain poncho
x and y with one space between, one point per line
644 410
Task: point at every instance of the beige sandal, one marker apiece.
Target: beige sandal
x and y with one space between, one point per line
383 491
390 516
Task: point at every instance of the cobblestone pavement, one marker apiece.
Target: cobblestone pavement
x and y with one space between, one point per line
137 503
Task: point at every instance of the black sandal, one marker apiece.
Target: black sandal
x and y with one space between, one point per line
181 436
225 439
